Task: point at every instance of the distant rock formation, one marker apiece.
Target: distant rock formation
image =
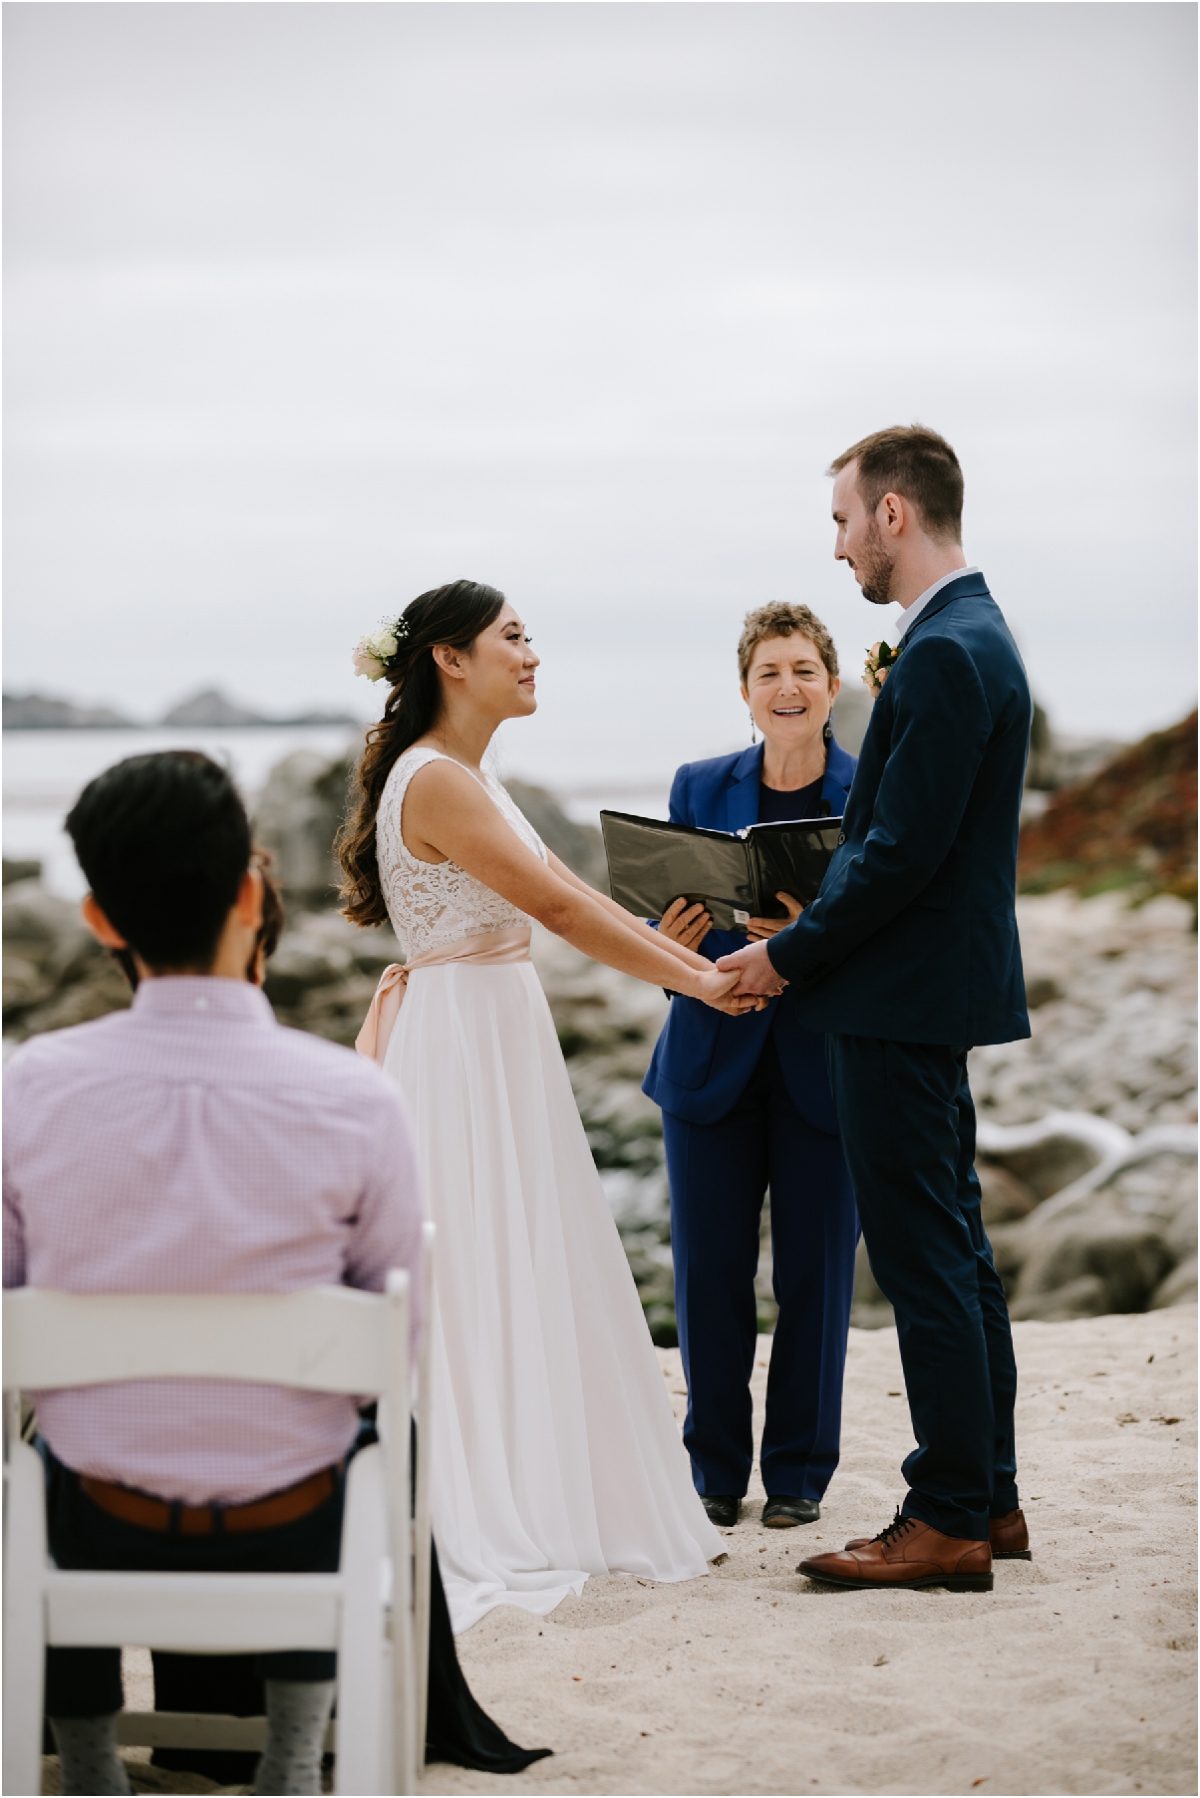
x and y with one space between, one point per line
210 710
213 710
35 711
1133 823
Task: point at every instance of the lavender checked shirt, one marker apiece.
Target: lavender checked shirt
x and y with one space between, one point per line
193 1144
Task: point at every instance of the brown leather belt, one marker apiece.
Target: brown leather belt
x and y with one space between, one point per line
160 1514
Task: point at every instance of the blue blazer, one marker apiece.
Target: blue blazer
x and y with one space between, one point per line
704 1059
913 936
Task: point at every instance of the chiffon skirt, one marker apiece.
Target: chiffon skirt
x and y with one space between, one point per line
555 1452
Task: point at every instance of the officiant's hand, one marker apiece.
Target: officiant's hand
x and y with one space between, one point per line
756 973
760 928
684 923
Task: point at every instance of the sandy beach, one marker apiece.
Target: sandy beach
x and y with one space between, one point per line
1076 1674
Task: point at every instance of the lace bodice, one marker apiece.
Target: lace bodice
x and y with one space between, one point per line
431 904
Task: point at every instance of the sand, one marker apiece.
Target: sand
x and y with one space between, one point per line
1076 1674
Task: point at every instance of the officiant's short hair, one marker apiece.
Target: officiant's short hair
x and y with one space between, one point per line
780 618
916 463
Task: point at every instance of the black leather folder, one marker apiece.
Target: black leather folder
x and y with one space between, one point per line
736 877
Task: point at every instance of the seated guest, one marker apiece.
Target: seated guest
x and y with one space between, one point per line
191 1144
457 1729
746 1106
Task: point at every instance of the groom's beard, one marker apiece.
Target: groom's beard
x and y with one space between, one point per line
875 568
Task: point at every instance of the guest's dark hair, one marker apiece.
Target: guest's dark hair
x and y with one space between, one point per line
274 917
454 615
163 841
916 463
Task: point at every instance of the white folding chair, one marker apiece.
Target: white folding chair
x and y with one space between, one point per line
331 1339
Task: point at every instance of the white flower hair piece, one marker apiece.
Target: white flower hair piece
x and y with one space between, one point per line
373 653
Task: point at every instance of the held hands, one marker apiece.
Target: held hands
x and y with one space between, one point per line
756 974
717 989
759 928
685 924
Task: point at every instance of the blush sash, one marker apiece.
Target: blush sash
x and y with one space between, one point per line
490 948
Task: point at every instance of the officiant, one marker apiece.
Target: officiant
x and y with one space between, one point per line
747 1107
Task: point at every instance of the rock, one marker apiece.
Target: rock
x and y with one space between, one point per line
296 816
1039 1171
1040 989
1179 1287
869 1309
211 709
1128 1257
1131 823
19 870
1085 1296
34 711
324 973
1120 1041
580 846
55 972
1006 1198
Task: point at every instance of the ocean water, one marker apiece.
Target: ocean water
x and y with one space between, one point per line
45 771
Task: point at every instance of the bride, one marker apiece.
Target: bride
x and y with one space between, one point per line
555 1453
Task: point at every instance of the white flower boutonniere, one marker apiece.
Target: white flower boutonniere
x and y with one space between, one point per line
373 653
881 659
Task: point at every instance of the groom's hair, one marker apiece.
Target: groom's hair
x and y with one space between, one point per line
916 463
163 841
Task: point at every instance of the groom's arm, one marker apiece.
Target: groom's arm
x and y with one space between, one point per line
940 730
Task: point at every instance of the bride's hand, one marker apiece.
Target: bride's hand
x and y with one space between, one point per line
716 989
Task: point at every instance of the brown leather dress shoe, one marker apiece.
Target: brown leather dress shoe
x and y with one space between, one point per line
1009 1537
906 1555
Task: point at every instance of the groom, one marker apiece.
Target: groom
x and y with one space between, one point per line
908 956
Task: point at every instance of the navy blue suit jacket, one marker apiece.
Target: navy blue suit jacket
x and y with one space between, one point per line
913 936
703 1059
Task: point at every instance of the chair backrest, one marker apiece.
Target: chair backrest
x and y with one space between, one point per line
324 1339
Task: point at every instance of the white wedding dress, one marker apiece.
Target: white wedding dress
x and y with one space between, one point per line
555 1453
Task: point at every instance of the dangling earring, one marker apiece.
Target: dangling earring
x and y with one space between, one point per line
753 730
827 733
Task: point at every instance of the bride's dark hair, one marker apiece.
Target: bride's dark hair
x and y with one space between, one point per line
454 615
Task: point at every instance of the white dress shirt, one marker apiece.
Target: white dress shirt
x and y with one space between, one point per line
193 1144
918 605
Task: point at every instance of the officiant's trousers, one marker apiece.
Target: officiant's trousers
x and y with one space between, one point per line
908 1125
719 1176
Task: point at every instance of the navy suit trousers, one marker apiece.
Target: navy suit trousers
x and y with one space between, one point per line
908 1126
719 1176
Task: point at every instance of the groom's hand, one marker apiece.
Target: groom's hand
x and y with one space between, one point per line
757 975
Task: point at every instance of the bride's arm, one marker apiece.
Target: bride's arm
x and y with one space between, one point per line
626 918
449 816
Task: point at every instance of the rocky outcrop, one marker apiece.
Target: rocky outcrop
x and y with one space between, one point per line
55 972
35 711
296 816
1131 824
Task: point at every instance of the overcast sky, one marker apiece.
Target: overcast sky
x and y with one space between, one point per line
311 307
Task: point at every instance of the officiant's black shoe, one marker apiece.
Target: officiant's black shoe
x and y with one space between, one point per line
784 1513
722 1511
